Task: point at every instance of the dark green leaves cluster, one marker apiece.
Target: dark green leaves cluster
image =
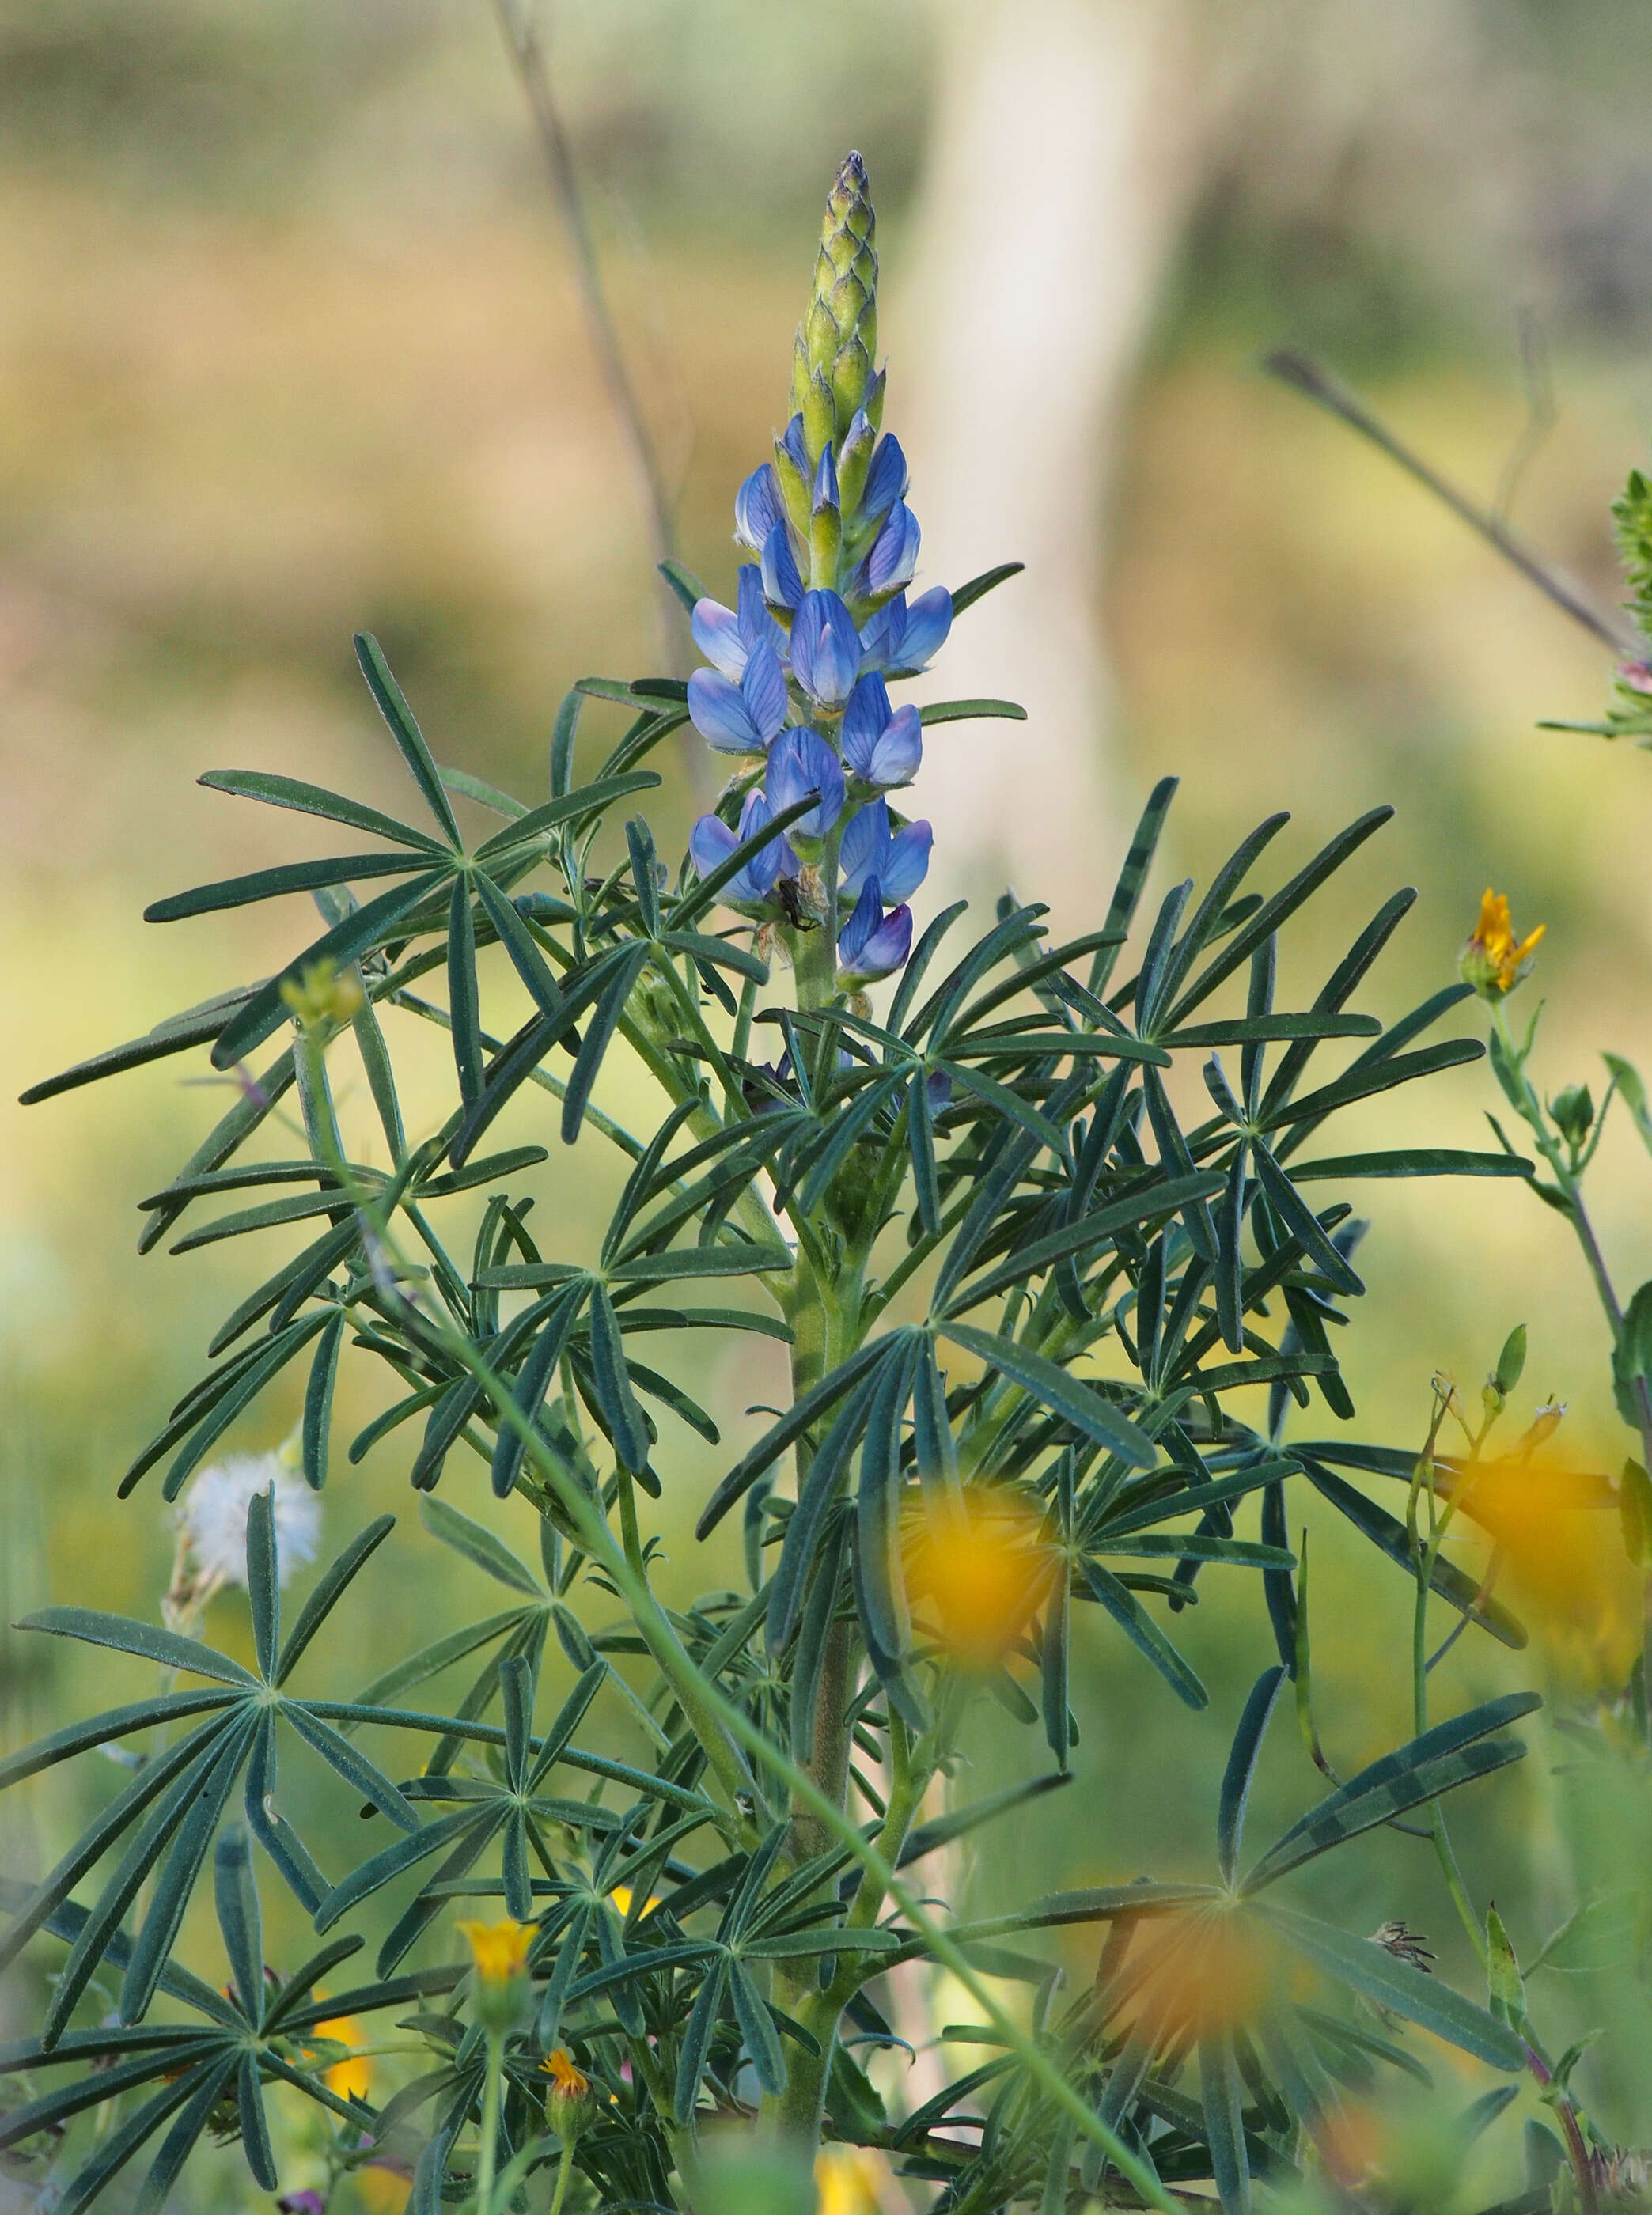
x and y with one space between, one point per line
1050 1286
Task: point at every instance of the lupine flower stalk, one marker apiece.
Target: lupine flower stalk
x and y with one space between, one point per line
797 689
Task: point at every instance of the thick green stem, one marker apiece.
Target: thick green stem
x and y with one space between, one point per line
796 2113
817 968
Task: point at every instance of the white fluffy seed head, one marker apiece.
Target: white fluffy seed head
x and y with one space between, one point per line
212 1517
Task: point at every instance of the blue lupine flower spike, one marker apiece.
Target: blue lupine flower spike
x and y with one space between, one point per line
800 664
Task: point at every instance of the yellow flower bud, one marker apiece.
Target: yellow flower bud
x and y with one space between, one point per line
322 993
569 2103
1493 959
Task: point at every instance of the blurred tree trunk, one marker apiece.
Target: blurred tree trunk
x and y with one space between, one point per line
1062 158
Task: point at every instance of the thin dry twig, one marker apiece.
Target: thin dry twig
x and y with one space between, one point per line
1541 413
527 50
1305 375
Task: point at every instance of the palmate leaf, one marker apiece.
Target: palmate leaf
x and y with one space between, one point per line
192 2064
188 1786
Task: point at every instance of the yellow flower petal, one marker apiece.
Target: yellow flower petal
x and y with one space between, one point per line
569 2080
345 2077
499 1950
1493 959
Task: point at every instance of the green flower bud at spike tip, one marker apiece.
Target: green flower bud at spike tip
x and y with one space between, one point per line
837 340
793 486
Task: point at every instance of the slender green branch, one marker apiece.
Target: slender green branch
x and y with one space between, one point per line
489 2154
1425 1555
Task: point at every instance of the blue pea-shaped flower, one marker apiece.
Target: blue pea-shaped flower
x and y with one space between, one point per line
740 718
711 842
871 944
826 649
883 745
899 860
800 763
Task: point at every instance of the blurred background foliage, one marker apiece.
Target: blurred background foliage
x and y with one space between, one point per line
292 344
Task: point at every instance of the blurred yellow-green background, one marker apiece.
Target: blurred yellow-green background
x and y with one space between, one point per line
293 344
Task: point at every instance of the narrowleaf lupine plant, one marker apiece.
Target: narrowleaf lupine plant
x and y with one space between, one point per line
1028 1290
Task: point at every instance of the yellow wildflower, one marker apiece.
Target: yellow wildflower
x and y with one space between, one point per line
504 1993
499 1950
568 2104
351 2077
984 1568
570 2080
847 2177
620 1899
381 2191
1493 959
1581 1595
